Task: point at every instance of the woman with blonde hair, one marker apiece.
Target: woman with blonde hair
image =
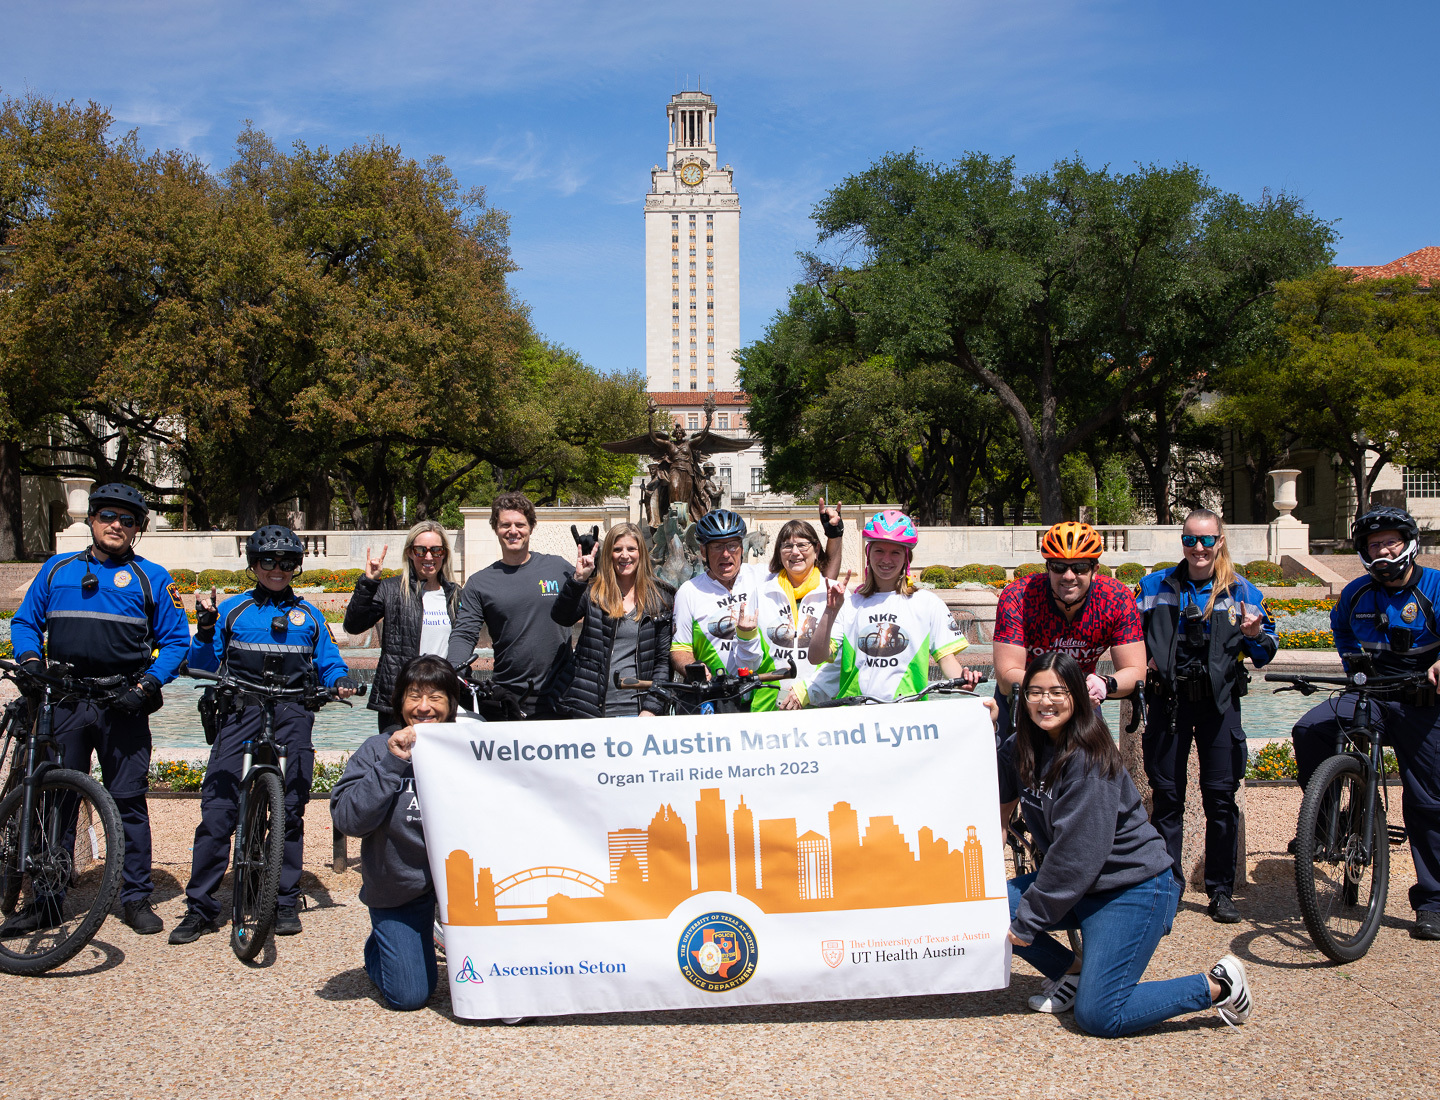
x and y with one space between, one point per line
627 623
1201 619
418 608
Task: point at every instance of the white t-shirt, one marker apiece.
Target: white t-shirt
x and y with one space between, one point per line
705 621
434 623
885 644
784 640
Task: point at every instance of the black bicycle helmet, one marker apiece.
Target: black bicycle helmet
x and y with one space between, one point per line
273 539
1386 519
123 495
719 524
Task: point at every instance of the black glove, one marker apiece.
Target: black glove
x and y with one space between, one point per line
343 682
138 697
205 620
34 666
832 530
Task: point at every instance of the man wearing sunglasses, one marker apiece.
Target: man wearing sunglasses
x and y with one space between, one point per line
1069 609
268 629
107 612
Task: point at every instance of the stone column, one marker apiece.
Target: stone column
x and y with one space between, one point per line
1193 852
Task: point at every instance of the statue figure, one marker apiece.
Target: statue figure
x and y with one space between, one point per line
679 475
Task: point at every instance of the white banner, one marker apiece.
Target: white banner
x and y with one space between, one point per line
624 864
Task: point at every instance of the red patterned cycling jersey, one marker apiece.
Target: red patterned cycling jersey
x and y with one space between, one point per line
1028 616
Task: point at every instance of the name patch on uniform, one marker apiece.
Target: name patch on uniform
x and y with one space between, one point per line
175 596
122 579
1411 610
297 617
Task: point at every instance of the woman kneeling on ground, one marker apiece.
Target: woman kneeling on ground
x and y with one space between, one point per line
1105 869
375 800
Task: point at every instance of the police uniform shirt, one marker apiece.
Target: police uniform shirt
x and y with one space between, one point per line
1397 625
130 621
280 627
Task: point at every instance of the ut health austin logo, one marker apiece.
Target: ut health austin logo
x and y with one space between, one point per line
718 952
833 952
549 588
467 973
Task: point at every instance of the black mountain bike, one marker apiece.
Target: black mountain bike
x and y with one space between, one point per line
61 846
698 695
258 849
1342 842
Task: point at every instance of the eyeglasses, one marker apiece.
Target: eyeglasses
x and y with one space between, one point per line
727 549
283 562
1206 541
797 547
1079 568
428 551
1389 544
108 517
1034 695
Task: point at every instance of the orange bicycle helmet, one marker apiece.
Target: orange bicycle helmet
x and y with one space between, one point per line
1071 541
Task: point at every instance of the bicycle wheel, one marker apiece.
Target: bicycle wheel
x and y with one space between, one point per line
10 835
255 868
72 874
1342 861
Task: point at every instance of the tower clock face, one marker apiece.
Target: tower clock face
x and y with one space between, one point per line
692 175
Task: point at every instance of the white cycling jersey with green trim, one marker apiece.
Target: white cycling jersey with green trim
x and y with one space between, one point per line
706 621
886 642
784 638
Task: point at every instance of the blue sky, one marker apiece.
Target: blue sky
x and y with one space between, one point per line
557 107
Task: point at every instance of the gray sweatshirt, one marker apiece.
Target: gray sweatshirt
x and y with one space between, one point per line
1093 831
375 800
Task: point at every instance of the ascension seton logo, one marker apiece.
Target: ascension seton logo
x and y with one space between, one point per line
717 952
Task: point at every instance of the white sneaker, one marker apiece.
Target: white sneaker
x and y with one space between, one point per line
1234 1005
1058 996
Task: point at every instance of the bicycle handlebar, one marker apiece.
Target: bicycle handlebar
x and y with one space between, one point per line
61 676
718 683
275 691
1354 681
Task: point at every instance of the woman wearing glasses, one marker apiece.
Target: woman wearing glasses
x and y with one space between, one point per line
1070 609
1105 869
792 600
269 629
1201 621
418 607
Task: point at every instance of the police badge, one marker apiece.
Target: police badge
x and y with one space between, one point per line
297 617
1411 610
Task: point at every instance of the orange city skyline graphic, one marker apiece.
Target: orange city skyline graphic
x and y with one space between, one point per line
652 871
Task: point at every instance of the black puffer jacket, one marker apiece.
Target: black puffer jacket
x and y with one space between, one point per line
581 692
400 640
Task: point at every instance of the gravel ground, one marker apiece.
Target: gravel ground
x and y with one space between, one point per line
136 1017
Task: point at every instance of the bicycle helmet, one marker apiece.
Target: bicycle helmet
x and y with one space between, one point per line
273 539
719 524
123 495
1386 519
891 526
1070 541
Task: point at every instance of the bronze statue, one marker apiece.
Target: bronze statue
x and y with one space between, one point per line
678 474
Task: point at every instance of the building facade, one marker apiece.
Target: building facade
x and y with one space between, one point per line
692 287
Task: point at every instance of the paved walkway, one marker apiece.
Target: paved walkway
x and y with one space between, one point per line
136 1017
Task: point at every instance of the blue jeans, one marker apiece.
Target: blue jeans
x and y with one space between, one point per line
400 953
1121 929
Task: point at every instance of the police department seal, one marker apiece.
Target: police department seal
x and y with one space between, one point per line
1411 610
122 579
297 617
717 952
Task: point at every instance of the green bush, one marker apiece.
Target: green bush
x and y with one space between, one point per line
327 775
1261 571
1130 572
183 576
1029 568
938 575
1104 570
980 574
1159 565
1275 761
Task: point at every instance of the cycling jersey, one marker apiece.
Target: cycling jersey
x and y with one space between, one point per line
886 642
261 630
785 629
1029 615
706 615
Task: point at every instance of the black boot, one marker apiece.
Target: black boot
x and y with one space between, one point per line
40 915
1222 910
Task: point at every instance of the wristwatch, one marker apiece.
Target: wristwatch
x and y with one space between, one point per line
1112 686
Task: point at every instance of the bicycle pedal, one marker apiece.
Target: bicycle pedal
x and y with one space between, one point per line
1398 835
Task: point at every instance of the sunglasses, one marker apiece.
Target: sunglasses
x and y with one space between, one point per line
1060 568
108 517
1206 541
285 561
428 551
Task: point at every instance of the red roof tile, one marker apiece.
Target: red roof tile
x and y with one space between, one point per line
1424 262
697 397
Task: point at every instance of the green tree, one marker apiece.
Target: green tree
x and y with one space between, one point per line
1071 295
1357 373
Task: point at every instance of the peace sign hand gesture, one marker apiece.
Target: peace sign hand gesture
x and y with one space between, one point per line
374 565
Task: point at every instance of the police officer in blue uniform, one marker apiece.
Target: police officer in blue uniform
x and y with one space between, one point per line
268 628
1391 615
1201 620
108 612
